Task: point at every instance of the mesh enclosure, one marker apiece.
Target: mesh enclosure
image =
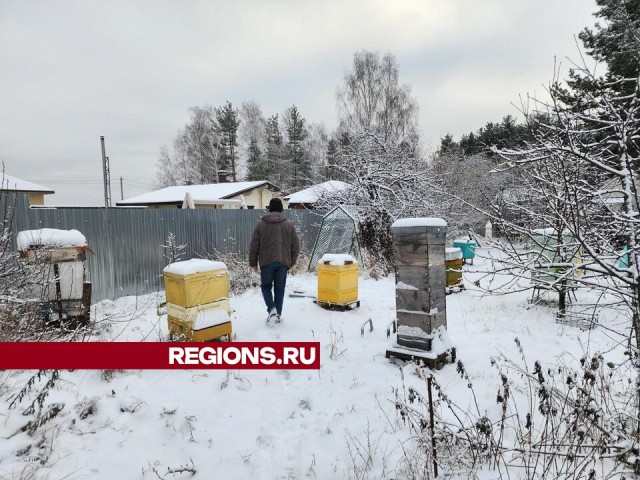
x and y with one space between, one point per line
338 234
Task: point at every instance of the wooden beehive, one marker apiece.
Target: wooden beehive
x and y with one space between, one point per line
196 282
337 283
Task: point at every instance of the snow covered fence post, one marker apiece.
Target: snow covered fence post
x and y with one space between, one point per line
421 309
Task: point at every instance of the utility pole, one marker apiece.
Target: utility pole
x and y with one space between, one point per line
121 190
106 175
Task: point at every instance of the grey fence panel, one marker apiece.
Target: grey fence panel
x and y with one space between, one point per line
128 242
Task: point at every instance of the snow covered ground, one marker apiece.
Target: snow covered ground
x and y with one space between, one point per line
253 424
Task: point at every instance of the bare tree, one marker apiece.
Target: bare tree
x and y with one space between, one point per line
195 157
315 149
372 99
387 182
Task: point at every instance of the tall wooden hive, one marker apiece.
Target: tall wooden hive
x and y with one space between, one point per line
421 308
419 252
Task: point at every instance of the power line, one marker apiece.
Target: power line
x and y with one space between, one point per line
138 182
83 181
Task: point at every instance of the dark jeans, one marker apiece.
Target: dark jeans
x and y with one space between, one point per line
273 275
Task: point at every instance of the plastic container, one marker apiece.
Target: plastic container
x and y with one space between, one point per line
468 248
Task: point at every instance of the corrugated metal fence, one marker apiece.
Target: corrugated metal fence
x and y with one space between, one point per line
128 242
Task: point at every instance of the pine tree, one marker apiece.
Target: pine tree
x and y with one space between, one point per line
273 167
332 156
616 43
448 145
227 128
296 133
255 162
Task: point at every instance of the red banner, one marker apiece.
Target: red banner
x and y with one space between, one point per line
159 355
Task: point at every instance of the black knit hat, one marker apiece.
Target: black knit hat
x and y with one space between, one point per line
275 205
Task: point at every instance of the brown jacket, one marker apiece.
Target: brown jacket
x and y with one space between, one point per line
274 240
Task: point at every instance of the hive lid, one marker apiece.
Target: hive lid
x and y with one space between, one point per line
195 265
464 241
454 253
337 259
419 222
50 238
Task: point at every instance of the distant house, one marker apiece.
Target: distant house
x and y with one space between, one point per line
36 192
309 197
214 195
611 194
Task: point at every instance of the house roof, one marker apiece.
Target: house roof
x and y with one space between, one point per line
208 193
316 192
15 184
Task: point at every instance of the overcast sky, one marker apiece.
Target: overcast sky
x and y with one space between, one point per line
71 71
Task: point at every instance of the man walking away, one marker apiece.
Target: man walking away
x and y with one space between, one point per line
275 247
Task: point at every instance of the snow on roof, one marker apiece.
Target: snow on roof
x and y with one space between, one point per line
419 222
15 184
208 193
195 265
51 238
549 231
545 231
316 192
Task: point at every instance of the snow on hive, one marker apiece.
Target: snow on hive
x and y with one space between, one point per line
337 259
210 318
414 332
195 265
404 286
452 253
50 238
419 222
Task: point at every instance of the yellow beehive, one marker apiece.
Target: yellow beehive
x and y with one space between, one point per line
192 314
200 323
178 327
453 262
337 280
196 282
